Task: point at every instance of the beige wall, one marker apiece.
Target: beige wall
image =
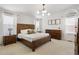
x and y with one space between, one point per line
1 25
1 39
25 19
1 29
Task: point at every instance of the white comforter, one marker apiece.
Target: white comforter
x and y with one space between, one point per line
32 37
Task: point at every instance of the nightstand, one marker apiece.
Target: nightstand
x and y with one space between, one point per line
9 39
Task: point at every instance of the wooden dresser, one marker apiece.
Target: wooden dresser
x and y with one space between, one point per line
9 39
56 34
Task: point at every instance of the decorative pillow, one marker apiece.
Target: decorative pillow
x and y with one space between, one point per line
24 31
31 31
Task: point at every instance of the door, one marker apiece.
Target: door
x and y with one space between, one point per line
77 41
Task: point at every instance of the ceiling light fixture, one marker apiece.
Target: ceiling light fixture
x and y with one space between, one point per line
43 12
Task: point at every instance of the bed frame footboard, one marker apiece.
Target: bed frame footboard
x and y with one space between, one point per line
35 44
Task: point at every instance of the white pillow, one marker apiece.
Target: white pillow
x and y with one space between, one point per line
24 31
35 30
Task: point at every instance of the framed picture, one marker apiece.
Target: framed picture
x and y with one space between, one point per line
53 22
49 22
57 22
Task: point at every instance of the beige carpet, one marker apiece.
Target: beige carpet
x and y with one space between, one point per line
55 47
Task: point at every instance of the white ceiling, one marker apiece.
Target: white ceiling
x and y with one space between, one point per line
32 8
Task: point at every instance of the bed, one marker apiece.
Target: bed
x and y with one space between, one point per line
34 40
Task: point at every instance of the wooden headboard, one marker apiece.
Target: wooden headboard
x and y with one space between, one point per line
24 26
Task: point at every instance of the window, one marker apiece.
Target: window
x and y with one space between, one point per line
8 24
38 24
70 24
7 19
